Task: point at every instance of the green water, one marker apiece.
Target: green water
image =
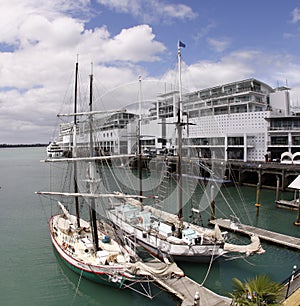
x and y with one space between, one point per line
31 274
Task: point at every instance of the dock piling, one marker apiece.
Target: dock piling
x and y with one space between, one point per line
297 222
277 188
257 199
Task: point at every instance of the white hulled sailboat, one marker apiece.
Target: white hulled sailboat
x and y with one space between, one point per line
93 249
166 234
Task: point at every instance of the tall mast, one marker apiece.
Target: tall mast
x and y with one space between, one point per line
140 141
179 147
92 169
74 150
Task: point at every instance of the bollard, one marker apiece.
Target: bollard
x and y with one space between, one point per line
197 299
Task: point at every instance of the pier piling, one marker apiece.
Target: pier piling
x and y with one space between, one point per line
257 199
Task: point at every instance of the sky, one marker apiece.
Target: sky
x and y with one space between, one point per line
131 40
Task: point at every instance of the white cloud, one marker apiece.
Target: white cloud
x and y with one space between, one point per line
176 11
218 45
14 13
295 15
238 65
135 44
43 43
43 38
204 31
151 10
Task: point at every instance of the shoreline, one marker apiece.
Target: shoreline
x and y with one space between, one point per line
22 145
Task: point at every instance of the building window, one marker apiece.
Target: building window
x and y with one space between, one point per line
235 141
296 140
279 140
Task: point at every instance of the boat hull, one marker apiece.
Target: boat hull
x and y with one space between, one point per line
162 248
202 254
97 278
112 276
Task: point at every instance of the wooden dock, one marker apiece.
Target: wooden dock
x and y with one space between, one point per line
293 204
182 287
263 234
185 290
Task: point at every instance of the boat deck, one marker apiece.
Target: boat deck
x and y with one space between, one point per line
185 290
263 234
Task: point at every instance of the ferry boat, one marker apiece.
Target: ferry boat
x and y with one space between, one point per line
54 150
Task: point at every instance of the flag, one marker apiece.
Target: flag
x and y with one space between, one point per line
181 44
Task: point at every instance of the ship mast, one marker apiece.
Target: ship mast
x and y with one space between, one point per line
92 169
140 142
74 150
179 125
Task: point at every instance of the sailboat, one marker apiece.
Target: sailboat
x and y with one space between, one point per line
92 247
166 234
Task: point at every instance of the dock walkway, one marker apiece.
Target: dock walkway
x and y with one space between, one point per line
263 234
185 290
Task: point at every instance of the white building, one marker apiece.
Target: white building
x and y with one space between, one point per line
235 121
229 121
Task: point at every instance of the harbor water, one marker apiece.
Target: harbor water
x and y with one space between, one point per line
31 274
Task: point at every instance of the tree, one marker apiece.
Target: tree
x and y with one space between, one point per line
259 291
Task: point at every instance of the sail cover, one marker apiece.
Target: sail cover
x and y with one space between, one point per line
253 247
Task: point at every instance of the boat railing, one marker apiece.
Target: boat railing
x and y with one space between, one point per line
291 283
235 219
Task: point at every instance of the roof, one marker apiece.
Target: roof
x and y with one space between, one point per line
295 183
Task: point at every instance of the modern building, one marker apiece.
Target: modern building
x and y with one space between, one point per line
245 120
110 133
230 122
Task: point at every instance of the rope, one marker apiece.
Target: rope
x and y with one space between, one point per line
209 267
77 288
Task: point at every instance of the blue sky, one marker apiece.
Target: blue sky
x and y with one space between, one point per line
225 41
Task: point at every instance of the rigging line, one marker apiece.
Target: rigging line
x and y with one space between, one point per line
243 200
77 288
240 257
240 207
44 210
209 267
226 201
